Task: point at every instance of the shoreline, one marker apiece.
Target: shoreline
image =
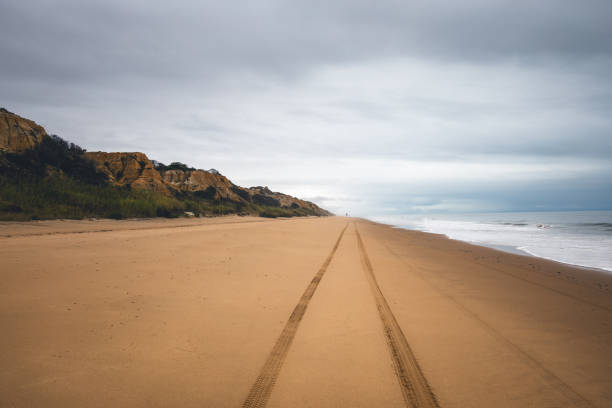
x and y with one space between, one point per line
503 248
590 274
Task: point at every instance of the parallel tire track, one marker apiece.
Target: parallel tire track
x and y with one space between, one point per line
414 385
262 388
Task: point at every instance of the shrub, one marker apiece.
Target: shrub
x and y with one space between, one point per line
178 166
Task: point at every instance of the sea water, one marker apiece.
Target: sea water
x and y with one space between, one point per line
581 238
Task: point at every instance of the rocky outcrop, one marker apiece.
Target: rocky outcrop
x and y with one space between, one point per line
129 169
18 134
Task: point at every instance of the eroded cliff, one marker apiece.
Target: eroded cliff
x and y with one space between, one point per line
18 134
129 169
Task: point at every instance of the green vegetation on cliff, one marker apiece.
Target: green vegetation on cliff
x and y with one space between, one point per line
55 180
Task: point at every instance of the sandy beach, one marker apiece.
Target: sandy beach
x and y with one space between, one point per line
312 312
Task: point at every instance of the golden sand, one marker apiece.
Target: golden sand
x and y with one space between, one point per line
317 312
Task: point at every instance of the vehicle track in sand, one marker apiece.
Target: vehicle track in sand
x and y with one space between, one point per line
262 388
415 389
570 394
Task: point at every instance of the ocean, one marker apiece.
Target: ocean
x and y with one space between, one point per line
582 238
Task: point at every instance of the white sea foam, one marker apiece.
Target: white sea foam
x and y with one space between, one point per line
578 238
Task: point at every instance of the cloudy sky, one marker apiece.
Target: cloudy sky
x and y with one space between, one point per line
361 106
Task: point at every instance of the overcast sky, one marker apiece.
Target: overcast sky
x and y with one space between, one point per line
369 107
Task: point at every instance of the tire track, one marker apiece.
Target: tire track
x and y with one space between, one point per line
415 388
262 388
576 399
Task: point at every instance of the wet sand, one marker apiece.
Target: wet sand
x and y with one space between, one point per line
317 312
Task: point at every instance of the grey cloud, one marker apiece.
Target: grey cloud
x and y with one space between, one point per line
305 85
70 41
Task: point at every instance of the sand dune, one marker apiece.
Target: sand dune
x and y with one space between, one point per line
317 312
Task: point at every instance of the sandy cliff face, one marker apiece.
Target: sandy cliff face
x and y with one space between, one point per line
129 169
18 134
263 195
217 185
137 171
